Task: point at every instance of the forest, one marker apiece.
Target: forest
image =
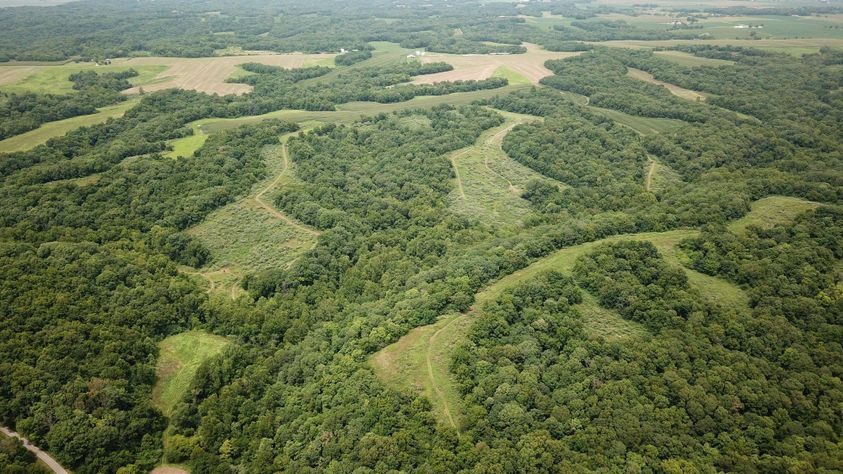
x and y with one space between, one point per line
668 300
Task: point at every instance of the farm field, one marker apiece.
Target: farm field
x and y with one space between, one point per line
796 47
53 79
250 235
530 65
209 74
33 138
180 357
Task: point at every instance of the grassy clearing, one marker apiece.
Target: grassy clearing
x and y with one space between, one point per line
186 146
245 237
661 177
485 192
347 113
605 323
180 357
510 75
686 59
54 79
642 125
419 362
40 135
770 211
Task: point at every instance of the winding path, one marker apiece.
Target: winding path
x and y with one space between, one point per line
271 209
457 169
43 456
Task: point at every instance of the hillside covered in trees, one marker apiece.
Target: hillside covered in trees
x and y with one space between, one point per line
668 298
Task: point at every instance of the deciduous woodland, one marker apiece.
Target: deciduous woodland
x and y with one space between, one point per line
634 265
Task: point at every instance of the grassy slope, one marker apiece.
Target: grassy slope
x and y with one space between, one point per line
33 138
406 363
686 59
54 79
245 237
772 210
489 183
180 357
513 77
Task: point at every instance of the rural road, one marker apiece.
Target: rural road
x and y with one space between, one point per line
44 457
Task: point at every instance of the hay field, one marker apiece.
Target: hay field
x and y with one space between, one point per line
797 47
53 78
530 65
209 74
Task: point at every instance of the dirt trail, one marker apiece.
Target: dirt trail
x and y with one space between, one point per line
271 209
648 183
43 456
457 169
436 389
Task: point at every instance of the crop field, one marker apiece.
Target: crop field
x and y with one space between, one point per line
250 235
33 138
645 76
772 210
53 79
180 356
784 27
796 47
209 74
530 65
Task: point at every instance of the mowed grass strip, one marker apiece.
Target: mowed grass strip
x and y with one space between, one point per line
770 211
179 358
40 135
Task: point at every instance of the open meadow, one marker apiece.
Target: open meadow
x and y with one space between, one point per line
180 357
